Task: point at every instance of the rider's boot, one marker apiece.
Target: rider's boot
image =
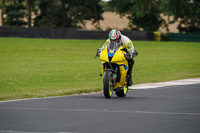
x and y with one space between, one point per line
129 73
129 80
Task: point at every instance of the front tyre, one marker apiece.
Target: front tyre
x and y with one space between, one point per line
107 84
122 92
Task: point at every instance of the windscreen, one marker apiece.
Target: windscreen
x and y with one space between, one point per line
113 46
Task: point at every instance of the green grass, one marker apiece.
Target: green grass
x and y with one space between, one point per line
52 67
165 61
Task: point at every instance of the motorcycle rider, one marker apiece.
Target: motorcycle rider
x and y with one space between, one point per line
115 36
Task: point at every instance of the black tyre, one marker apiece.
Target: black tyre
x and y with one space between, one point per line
122 93
107 84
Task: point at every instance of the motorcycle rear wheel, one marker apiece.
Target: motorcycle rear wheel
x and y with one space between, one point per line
107 84
122 93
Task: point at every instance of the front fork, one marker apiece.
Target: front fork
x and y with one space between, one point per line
122 82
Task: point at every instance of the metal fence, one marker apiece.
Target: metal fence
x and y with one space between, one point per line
97 35
68 34
187 37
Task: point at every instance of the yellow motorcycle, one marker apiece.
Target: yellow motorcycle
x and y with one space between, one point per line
114 70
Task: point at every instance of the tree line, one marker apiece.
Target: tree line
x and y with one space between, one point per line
142 14
50 13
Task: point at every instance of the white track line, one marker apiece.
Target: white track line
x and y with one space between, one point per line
104 111
10 131
163 84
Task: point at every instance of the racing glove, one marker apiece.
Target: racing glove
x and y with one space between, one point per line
128 56
98 52
135 53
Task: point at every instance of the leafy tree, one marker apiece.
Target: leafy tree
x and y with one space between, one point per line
106 7
67 13
2 11
51 15
15 13
188 11
143 14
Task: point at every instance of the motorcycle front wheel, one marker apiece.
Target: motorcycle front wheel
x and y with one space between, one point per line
107 84
123 92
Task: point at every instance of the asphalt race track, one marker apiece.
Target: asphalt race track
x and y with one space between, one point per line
174 109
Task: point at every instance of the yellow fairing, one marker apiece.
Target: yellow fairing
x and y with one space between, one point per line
104 59
119 59
123 77
104 55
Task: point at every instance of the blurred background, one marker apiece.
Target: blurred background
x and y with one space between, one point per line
160 17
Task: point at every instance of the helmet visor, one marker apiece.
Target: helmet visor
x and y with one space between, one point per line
115 40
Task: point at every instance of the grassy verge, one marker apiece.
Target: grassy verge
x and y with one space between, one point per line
52 67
